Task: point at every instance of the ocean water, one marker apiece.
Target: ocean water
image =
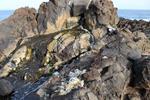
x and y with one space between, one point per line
129 14
5 14
135 14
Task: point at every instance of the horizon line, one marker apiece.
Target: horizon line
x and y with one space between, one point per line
37 9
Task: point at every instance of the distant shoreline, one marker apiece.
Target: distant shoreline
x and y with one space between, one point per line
133 14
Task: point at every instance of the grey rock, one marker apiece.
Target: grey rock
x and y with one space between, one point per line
134 54
109 72
52 15
5 87
142 72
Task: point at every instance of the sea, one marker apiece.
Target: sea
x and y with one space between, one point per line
5 14
135 14
129 14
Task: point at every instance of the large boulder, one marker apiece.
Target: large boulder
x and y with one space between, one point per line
101 12
141 70
140 80
52 15
106 76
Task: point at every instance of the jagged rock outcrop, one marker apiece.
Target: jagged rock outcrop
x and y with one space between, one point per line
52 15
140 41
79 54
135 25
22 24
101 12
139 84
141 70
108 71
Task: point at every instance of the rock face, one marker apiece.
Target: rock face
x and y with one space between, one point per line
140 80
101 12
5 87
78 54
22 24
141 69
52 15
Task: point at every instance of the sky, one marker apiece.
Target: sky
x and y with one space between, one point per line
121 4
132 4
14 4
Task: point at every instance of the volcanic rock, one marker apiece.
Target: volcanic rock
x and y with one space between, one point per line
139 83
79 6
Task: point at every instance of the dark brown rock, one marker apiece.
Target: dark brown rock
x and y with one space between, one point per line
139 83
135 25
101 12
22 24
72 67
52 15
141 70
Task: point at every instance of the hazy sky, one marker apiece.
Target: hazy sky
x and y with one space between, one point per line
132 4
121 4
14 4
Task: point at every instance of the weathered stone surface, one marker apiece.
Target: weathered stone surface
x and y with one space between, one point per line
52 16
137 40
141 71
108 70
93 61
7 69
135 25
100 12
20 25
5 87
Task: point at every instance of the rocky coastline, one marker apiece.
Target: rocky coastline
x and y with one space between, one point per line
135 25
74 50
